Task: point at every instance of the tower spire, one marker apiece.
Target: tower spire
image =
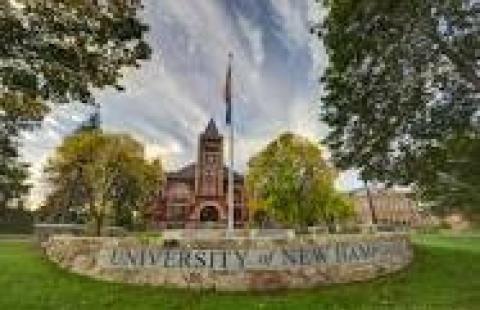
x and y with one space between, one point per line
211 129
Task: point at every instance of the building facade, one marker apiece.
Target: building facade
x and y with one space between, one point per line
388 206
195 196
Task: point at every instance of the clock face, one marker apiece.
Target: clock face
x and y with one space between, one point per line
210 159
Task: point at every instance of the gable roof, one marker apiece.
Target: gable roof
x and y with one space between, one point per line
187 172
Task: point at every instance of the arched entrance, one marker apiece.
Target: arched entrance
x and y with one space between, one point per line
209 214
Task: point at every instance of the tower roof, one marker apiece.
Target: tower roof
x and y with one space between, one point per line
211 130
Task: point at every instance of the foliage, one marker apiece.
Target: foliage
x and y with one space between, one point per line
15 221
15 114
457 183
103 175
402 80
12 173
290 180
57 51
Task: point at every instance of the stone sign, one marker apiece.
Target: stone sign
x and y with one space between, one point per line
231 264
249 259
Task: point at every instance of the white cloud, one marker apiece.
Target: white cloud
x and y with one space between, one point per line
255 37
170 99
292 15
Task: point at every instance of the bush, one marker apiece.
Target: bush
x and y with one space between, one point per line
445 225
150 238
16 221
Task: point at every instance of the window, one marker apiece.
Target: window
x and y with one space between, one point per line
179 192
211 148
237 214
175 213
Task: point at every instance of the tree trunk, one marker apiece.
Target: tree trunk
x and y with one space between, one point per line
371 206
98 225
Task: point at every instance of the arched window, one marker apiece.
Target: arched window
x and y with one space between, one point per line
209 214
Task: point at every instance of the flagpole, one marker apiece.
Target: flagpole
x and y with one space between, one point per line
231 200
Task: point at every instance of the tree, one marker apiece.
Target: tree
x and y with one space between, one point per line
291 181
102 175
16 221
12 173
14 115
457 186
402 80
58 51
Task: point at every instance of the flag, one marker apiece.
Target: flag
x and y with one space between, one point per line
228 92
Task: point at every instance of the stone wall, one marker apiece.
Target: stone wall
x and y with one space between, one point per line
43 231
234 264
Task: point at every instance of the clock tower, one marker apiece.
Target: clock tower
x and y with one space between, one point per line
209 173
195 195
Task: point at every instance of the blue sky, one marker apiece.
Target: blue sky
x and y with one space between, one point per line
171 98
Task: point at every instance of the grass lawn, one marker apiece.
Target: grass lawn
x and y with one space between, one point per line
444 275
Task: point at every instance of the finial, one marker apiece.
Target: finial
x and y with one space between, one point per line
211 129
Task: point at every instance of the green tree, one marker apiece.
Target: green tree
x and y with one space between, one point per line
457 183
14 115
102 175
291 181
402 81
58 51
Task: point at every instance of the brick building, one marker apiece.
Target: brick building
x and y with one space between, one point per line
196 195
390 206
